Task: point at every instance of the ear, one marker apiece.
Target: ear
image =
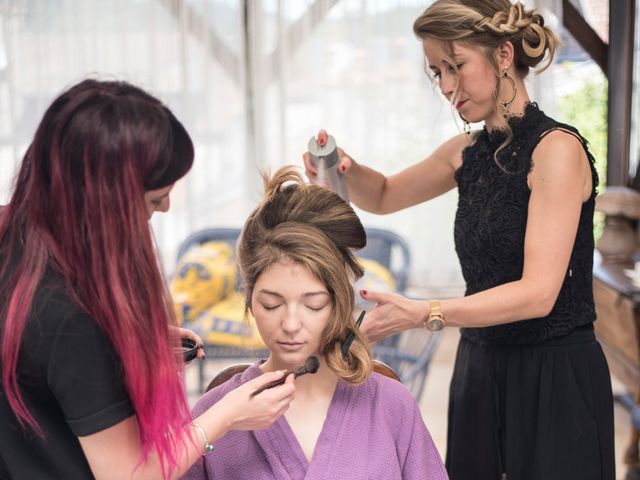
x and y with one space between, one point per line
505 54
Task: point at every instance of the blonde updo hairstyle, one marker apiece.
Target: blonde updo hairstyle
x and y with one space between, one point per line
487 24
310 226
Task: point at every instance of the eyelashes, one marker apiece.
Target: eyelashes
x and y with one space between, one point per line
313 308
437 74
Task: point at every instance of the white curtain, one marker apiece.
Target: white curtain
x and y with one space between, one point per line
252 80
355 68
188 53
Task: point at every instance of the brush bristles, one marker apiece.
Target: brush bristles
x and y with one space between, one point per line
312 364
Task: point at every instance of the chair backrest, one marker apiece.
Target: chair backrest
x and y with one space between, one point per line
409 354
229 235
384 246
227 373
391 250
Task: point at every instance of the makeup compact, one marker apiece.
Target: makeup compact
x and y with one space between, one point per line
189 349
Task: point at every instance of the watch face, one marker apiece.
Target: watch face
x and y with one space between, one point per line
435 324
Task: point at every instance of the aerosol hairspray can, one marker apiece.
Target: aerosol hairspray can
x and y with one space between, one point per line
324 156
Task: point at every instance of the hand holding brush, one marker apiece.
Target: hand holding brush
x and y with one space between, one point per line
310 366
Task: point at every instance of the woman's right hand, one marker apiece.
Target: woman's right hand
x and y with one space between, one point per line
259 412
346 162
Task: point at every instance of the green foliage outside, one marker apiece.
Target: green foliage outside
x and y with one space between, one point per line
586 109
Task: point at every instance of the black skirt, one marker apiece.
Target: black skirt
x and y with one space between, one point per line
531 412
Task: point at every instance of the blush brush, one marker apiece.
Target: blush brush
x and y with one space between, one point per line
310 366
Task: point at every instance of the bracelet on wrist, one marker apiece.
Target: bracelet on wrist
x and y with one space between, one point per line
207 447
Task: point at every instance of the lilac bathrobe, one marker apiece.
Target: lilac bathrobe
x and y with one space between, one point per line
372 432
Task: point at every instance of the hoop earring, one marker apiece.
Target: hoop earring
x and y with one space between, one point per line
505 104
467 125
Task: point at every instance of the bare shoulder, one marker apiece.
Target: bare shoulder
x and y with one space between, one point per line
560 149
459 142
451 150
559 161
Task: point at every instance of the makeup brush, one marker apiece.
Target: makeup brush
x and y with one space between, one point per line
310 366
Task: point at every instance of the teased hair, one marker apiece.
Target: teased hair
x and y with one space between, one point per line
314 227
78 208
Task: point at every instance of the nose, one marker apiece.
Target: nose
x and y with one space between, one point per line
448 83
291 321
165 204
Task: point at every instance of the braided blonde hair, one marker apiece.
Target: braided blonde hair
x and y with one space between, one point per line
487 24
311 226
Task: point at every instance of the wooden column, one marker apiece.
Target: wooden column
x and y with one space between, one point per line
620 74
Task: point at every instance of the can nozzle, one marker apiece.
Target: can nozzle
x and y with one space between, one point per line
323 153
322 138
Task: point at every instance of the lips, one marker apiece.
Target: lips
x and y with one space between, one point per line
460 104
290 346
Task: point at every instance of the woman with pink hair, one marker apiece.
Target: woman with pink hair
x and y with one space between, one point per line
90 382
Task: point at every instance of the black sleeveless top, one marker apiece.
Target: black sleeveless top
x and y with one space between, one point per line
490 229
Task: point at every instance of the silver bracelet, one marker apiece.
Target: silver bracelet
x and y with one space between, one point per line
208 448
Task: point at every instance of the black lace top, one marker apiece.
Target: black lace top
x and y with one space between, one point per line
490 229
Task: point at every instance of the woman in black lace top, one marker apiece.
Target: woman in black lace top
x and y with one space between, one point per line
530 395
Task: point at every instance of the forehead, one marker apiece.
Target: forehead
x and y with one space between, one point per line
289 277
438 51
160 192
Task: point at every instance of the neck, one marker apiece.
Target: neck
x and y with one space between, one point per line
323 382
517 108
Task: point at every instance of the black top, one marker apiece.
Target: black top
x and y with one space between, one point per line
490 228
71 381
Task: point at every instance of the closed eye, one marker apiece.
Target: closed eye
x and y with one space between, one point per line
453 70
432 72
316 308
270 307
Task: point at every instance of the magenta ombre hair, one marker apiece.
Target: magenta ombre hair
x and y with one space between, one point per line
78 208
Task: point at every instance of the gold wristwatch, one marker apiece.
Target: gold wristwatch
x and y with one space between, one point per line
435 321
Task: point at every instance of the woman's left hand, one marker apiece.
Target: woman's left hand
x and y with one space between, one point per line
392 314
183 332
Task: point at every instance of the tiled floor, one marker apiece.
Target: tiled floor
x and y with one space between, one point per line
435 398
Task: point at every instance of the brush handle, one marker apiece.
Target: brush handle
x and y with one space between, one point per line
351 337
296 373
269 385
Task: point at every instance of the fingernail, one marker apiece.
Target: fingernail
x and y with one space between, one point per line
342 169
364 292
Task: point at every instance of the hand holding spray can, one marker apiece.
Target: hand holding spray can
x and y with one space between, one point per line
324 156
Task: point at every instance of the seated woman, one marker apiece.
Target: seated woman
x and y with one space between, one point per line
345 421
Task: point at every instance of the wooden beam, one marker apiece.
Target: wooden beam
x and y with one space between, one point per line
584 34
620 74
297 32
199 27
